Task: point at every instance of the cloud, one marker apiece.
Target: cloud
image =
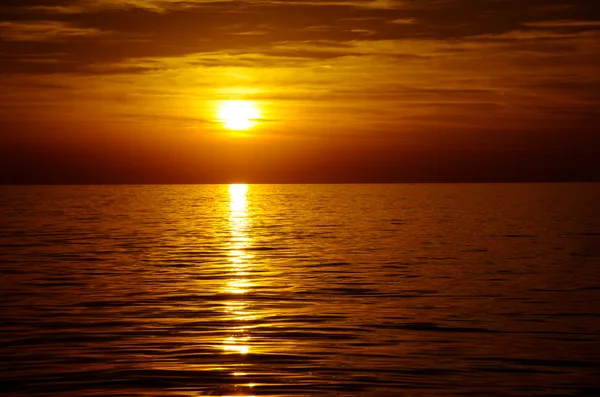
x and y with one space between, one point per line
563 24
160 6
534 34
404 21
44 31
90 6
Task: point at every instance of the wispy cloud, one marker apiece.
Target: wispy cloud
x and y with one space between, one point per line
535 34
563 24
90 6
87 6
404 21
44 31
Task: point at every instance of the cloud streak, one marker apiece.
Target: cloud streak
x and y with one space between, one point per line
44 31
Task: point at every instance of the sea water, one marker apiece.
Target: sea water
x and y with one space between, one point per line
300 290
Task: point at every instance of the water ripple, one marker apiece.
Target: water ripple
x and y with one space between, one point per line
381 290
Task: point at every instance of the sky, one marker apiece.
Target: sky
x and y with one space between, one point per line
299 91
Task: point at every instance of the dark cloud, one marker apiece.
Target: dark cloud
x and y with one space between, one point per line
111 30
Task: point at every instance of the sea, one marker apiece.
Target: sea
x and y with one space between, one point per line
410 290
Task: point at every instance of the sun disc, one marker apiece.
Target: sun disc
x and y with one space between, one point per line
238 114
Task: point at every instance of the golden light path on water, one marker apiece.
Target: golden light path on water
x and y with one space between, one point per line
239 284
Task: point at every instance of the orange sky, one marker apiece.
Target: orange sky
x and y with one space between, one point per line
129 91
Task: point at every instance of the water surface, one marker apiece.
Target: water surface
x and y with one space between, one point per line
300 290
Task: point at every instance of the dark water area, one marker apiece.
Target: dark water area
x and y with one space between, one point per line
300 290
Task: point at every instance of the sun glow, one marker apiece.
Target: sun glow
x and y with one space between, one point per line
238 115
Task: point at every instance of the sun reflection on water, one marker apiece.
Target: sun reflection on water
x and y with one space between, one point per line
239 241
240 283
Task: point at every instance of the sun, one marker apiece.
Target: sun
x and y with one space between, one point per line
238 115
